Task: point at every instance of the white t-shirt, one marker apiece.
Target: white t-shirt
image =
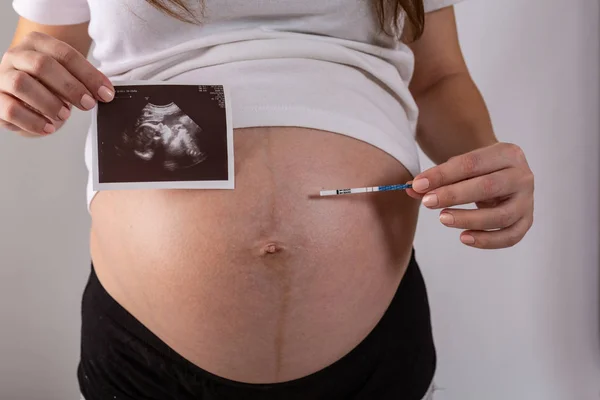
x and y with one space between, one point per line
319 64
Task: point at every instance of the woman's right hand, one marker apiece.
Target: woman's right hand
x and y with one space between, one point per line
40 79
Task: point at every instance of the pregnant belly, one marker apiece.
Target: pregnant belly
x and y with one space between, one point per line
268 282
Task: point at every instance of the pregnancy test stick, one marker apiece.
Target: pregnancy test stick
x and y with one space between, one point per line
365 190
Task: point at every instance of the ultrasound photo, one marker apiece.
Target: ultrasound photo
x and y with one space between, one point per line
163 136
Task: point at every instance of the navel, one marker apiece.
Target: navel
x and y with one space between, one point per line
271 248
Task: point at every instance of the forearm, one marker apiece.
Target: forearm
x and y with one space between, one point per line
453 118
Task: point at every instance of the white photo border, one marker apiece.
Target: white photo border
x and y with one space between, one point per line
220 184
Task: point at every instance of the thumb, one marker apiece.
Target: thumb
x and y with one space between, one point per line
413 194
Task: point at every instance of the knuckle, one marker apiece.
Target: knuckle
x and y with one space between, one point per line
439 177
11 111
447 197
470 163
64 53
514 152
12 50
528 179
505 218
41 64
490 186
9 54
35 36
72 90
92 76
18 82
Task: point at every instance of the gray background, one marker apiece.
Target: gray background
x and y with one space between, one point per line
520 323
44 258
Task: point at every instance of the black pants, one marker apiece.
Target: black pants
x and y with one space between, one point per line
122 360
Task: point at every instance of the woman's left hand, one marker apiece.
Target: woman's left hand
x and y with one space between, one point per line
497 179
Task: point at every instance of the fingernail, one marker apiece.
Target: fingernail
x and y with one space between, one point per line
467 239
420 185
106 94
88 102
49 128
431 200
64 113
447 218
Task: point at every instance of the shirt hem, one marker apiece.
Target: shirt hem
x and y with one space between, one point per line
48 16
305 117
439 4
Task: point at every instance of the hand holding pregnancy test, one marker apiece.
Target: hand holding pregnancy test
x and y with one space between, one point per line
497 179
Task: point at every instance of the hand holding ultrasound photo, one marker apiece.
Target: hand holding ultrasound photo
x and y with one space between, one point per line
163 136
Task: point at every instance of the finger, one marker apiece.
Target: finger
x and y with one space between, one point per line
98 86
15 113
8 126
77 64
475 163
55 77
29 90
412 193
503 216
499 239
492 186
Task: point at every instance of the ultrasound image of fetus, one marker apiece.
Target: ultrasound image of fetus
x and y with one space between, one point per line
164 134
